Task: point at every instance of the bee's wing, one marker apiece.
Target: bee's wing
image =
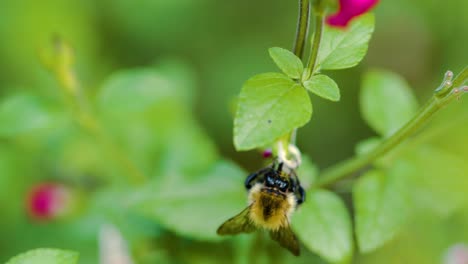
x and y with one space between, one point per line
240 223
286 238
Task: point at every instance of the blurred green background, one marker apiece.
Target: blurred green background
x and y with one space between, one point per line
209 48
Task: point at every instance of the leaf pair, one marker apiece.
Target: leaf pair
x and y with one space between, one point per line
382 199
273 104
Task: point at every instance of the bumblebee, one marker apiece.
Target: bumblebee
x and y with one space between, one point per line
274 194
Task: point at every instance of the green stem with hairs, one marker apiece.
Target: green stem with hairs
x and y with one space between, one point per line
352 165
312 62
302 28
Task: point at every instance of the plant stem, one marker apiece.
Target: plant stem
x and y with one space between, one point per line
299 43
461 78
312 62
302 28
79 105
352 165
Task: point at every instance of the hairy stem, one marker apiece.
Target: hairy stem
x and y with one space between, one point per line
352 165
302 28
312 62
304 18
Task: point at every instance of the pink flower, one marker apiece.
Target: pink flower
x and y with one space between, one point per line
348 10
47 201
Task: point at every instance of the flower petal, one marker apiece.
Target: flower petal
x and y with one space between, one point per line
348 10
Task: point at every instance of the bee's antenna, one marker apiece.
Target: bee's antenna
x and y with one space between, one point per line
280 166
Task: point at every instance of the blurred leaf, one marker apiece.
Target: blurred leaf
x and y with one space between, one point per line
381 207
340 49
151 117
307 172
261 116
187 150
438 179
23 113
324 226
45 256
289 63
195 209
324 87
137 90
181 76
387 101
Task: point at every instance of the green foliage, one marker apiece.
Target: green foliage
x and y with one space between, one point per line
341 49
194 208
261 117
324 226
387 102
324 87
45 256
150 118
23 113
137 90
381 206
438 179
307 172
289 63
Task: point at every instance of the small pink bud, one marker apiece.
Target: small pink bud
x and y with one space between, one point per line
267 153
348 10
48 201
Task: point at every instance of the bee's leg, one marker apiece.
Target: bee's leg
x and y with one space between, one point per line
254 178
296 188
301 195
250 179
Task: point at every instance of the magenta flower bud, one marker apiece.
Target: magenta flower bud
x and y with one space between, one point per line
267 153
48 201
348 10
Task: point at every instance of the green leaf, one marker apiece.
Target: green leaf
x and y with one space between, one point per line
287 62
381 208
307 172
438 179
387 101
324 87
324 226
23 113
137 90
270 106
45 256
195 208
340 49
188 150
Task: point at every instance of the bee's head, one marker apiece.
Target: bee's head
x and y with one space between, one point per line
273 180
